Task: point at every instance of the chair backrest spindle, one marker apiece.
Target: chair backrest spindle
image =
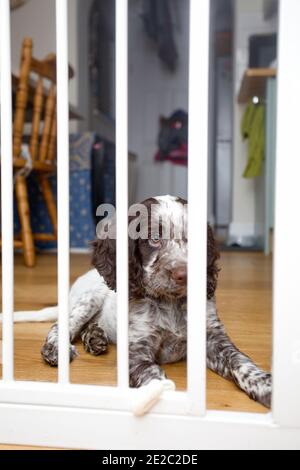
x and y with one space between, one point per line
37 114
42 144
49 115
53 138
22 96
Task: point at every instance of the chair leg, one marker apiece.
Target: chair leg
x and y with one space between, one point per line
26 232
49 200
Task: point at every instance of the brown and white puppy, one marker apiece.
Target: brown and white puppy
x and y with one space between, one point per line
157 303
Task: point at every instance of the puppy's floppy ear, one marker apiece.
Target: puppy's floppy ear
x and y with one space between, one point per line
212 268
104 260
104 257
135 269
135 263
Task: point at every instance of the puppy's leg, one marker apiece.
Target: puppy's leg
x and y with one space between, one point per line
86 307
142 365
225 359
144 344
101 331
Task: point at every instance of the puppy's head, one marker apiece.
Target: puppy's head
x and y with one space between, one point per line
157 247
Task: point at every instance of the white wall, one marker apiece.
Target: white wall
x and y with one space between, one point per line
248 20
36 19
154 91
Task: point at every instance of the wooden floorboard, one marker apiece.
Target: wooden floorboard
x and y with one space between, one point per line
244 304
15 448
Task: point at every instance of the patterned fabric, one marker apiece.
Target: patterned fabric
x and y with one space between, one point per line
82 227
80 151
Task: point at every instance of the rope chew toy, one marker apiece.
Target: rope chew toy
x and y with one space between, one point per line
150 394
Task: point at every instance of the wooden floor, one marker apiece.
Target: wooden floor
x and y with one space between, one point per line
244 304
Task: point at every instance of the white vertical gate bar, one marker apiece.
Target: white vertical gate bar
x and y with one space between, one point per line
7 193
197 195
286 293
63 186
122 186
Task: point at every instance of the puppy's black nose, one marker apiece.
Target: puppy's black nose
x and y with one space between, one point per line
179 275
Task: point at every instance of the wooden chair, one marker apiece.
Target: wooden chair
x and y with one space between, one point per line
42 143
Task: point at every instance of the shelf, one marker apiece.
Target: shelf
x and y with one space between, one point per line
254 83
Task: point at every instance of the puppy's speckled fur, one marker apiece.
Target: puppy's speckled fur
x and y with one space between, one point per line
157 309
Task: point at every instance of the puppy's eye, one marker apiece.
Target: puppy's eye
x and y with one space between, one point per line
155 241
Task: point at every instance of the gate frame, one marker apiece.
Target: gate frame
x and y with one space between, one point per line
180 420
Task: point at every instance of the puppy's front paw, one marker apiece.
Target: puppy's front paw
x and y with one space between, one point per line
50 353
263 392
94 340
255 382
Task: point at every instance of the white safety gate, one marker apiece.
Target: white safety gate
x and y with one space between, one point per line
81 416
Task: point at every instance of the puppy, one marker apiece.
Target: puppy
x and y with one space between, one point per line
157 304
